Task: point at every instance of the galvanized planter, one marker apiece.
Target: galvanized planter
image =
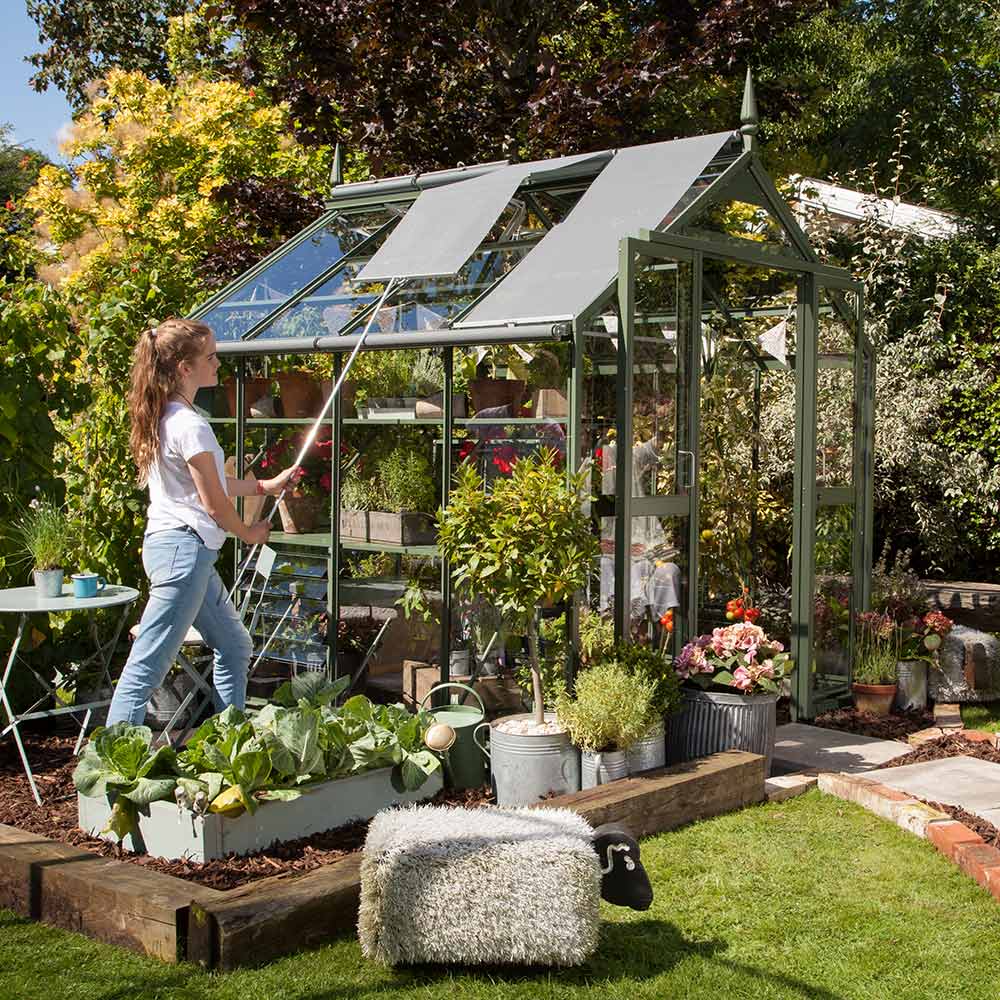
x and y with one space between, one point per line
526 769
650 751
168 832
711 721
600 768
911 685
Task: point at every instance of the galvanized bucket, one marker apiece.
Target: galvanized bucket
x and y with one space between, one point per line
911 690
711 721
650 751
600 768
464 766
526 769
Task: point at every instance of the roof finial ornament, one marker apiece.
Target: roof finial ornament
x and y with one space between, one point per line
749 118
337 170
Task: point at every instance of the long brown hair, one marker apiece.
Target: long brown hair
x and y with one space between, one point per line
155 375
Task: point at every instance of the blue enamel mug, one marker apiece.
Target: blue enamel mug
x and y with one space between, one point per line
88 584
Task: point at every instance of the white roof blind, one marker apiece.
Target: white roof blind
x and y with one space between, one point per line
577 259
443 227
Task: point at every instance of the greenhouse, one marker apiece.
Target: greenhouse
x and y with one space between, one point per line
664 295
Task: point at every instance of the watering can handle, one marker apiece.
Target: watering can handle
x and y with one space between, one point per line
454 684
475 739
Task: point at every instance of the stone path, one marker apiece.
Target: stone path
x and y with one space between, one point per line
800 748
968 782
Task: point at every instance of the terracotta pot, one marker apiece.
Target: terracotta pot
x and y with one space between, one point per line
253 389
550 403
485 393
347 393
300 394
874 698
300 515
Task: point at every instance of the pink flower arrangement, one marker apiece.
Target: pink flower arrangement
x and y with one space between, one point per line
738 656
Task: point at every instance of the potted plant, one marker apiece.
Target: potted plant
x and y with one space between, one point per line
526 543
254 389
879 649
730 680
611 709
403 493
922 638
306 505
44 536
656 668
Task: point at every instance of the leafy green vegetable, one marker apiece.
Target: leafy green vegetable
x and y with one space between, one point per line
119 761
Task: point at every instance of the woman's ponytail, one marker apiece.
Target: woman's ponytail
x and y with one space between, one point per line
155 362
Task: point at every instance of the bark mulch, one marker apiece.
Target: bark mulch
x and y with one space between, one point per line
52 763
954 745
896 726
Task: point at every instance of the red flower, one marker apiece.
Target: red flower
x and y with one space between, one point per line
751 614
324 448
9 205
598 453
325 482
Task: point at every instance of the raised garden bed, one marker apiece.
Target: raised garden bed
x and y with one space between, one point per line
168 832
148 911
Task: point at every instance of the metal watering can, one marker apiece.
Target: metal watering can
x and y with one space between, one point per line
464 762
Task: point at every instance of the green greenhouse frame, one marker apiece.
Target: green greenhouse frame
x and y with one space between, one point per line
573 251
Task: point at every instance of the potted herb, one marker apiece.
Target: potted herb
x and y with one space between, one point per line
44 536
611 710
655 667
306 505
403 494
526 543
879 649
730 680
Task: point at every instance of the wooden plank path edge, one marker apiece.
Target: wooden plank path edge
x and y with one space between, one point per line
173 919
114 901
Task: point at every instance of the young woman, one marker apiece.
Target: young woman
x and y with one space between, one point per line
188 517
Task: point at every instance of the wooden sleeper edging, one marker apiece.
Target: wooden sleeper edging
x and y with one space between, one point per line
174 919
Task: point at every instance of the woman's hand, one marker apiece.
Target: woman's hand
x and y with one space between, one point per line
288 478
257 533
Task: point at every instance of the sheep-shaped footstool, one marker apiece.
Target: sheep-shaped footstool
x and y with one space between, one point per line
492 886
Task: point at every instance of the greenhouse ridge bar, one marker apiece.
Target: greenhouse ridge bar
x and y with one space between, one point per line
666 294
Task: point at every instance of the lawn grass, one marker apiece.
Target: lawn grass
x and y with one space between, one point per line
812 898
985 716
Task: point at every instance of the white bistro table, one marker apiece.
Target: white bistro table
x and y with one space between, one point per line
24 601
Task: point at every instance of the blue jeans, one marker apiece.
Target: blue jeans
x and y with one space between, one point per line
184 590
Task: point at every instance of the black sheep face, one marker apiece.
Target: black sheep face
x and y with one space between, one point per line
624 881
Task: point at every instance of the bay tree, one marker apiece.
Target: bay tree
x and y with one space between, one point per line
523 543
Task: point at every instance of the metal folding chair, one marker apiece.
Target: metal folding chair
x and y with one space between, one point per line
197 663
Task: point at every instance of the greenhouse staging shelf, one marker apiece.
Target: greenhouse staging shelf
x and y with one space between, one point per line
174 920
168 832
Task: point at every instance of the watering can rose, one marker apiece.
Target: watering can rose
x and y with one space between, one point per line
740 656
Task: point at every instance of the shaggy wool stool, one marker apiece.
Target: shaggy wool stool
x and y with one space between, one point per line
479 886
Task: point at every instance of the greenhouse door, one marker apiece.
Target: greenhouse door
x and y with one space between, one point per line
656 495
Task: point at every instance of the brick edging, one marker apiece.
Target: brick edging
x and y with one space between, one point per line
953 839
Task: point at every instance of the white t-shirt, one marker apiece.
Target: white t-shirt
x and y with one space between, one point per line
173 497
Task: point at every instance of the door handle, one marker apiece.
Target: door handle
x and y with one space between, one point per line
690 454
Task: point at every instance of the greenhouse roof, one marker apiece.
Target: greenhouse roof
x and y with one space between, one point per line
488 253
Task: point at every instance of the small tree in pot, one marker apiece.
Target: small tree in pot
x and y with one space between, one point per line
526 543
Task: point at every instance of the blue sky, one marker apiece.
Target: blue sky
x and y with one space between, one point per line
37 118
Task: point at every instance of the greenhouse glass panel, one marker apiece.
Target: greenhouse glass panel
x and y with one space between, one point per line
298 264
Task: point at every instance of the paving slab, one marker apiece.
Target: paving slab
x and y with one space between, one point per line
811 749
968 782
